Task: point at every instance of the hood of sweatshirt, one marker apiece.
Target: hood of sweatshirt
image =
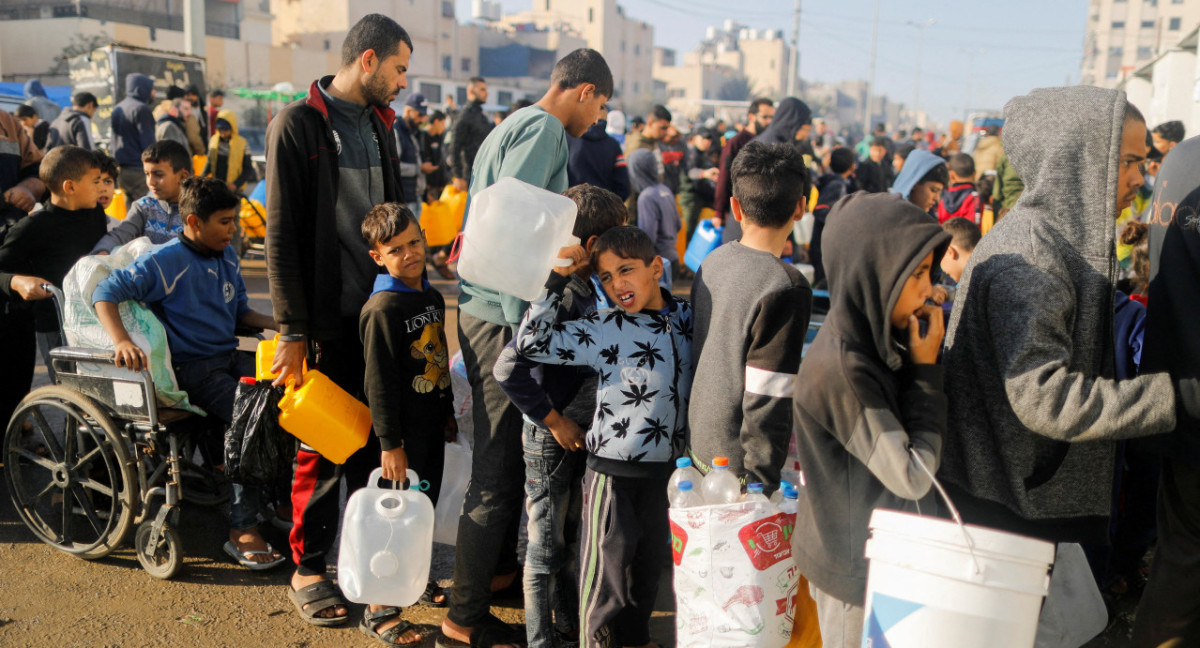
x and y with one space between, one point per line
916 165
33 88
229 116
790 116
139 86
643 170
871 244
597 132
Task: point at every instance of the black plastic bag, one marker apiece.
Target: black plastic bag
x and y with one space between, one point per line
257 450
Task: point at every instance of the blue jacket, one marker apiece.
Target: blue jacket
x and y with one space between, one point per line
133 121
411 178
198 296
644 366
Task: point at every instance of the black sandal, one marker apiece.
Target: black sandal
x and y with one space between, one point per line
433 591
316 598
390 637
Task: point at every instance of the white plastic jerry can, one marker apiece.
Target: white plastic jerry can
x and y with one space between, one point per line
387 543
512 236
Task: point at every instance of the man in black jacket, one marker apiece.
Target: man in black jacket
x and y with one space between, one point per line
330 158
74 125
596 159
471 127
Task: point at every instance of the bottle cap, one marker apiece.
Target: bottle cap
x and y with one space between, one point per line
683 462
720 462
791 493
685 485
754 488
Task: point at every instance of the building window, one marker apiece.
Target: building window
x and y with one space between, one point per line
1176 1
1147 24
1174 25
1116 50
504 98
460 95
326 44
547 5
1118 24
447 9
432 91
622 46
591 14
447 63
1145 53
466 64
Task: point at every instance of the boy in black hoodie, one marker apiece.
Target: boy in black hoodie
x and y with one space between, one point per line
40 249
868 391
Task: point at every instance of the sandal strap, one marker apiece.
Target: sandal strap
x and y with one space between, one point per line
319 596
393 633
379 616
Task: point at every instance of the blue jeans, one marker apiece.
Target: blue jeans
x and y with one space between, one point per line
211 385
554 491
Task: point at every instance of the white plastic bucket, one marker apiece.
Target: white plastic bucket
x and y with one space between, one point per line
512 237
927 588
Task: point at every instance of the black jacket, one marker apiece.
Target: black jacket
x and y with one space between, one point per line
303 254
596 159
71 126
470 129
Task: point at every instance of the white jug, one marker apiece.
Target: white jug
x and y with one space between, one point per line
513 234
387 543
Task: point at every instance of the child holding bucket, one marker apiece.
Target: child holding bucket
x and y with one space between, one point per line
407 380
867 392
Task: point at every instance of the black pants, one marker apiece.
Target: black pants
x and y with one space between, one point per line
1170 606
488 527
18 360
316 480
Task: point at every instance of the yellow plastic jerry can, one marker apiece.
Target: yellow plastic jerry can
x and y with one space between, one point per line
325 417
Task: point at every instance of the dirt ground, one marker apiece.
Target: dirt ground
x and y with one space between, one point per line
51 599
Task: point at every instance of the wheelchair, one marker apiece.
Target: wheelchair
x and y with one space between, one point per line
89 458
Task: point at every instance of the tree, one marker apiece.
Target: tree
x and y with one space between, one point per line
79 44
738 88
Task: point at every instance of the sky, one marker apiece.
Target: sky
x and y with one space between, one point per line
993 50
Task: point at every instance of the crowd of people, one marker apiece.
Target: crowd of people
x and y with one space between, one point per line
1012 314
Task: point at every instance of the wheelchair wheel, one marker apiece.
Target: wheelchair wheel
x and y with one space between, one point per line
69 473
164 559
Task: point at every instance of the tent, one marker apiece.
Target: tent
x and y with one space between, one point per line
59 94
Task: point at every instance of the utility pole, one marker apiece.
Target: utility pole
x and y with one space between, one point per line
917 82
193 27
794 80
871 74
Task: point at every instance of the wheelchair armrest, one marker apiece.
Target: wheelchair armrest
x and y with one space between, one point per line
80 354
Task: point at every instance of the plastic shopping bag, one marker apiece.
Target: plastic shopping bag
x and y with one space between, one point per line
456 475
257 450
735 578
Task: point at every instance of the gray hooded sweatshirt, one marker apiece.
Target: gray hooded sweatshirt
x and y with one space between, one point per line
1034 407
858 404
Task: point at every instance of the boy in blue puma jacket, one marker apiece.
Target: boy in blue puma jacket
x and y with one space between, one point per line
641 351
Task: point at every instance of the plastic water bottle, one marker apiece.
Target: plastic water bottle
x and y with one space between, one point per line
790 497
720 486
684 471
777 496
754 493
685 497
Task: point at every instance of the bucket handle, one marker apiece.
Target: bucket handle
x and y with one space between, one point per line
455 248
916 457
566 263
